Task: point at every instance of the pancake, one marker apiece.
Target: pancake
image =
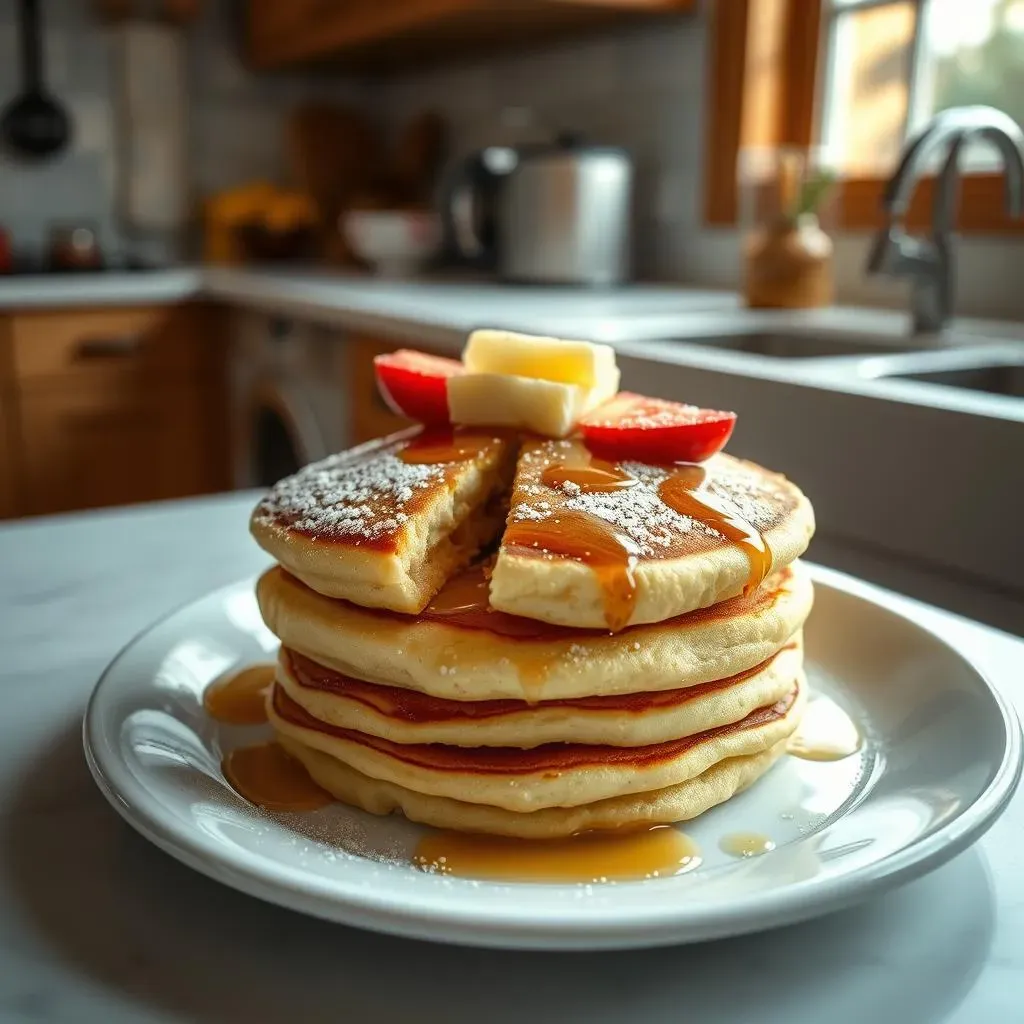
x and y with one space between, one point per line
649 543
681 802
553 775
461 651
626 720
385 524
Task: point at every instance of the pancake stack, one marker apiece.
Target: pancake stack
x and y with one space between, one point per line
500 633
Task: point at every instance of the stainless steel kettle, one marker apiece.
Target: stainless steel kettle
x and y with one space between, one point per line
555 213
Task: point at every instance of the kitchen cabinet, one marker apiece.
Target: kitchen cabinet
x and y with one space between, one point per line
115 406
8 504
370 35
93 447
370 415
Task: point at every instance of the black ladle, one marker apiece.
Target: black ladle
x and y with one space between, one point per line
33 125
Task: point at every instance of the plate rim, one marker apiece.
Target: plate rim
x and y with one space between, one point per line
603 929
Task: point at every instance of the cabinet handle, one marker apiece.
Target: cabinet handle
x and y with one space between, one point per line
114 347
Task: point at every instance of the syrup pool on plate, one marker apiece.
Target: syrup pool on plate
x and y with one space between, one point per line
265 774
587 858
240 698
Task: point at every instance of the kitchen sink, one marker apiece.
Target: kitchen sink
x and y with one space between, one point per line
1005 378
800 345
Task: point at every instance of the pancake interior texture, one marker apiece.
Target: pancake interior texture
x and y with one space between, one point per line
372 528
553 775
626 720
497 656
612 558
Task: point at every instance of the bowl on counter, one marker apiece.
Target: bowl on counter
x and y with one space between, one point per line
396 243
263 244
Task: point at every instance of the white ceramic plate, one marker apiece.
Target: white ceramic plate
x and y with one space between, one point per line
941 758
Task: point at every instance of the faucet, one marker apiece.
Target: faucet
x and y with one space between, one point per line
928 262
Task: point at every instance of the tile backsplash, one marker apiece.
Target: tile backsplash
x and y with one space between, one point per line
640 87
236 119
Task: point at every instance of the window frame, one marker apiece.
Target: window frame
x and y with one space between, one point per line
764 80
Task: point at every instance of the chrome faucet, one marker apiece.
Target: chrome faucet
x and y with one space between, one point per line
928 262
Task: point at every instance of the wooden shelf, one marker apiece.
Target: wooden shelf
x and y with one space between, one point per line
367 35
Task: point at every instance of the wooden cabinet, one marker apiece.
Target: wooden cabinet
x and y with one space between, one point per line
377 35
370 415
8 503
112 407
90 447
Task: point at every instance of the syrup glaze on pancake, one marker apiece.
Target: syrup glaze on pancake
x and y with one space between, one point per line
609 517
463 603
363 497
549 758
414 706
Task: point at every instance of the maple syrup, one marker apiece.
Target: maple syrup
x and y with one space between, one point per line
240 699
590 857
682 491
598 476
268 776
610 553
825 733
746 844
462 596
435 446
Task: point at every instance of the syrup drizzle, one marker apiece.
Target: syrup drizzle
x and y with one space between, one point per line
825 733
610 553
598 476
268 776
240 699
444 444
590 857
746 844
684 491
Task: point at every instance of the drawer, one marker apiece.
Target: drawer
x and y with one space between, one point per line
157 343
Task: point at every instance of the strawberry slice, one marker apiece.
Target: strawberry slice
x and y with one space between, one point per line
414 384
655 431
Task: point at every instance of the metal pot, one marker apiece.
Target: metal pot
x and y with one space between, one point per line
556 213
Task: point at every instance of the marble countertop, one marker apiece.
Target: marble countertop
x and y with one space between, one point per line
98 926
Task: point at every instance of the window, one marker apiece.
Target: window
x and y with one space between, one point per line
859 77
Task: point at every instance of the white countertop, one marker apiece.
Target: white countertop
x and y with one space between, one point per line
98 926
903 431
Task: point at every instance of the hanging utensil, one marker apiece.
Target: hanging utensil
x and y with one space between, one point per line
34 125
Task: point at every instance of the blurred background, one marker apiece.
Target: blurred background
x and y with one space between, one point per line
214 214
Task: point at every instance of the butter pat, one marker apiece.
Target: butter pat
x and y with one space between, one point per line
525 403
522 355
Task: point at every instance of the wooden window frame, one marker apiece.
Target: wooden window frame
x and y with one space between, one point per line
764 76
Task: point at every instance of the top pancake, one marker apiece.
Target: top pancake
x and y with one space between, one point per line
668 541
386 523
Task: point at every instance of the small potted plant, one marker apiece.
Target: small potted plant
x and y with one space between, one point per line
788 258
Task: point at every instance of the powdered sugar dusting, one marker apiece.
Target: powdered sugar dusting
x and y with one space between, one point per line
362 495
638 512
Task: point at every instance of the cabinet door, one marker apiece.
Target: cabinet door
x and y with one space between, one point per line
8 497
91 447
371 416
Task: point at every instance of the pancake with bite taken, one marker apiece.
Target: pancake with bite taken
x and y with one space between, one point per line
593 544
385 524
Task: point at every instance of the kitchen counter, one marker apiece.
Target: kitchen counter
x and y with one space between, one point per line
899 435
98 926
114 288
